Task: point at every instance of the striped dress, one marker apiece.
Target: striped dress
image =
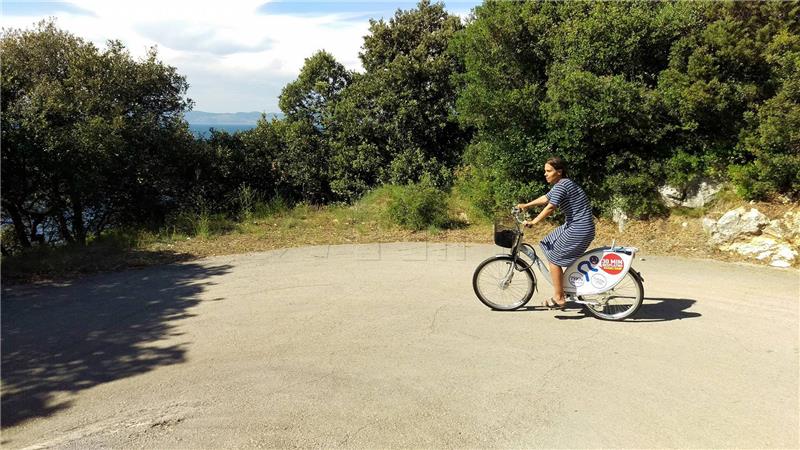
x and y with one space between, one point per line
569 241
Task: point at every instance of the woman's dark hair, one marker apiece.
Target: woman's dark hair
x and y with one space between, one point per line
557 163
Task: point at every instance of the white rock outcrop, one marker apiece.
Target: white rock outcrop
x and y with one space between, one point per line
753 235
734 224
791 222
696 195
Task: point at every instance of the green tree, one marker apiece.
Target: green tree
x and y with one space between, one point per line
395 123
308 103
88 136
574 79
718 78
318 87
772 135
633 94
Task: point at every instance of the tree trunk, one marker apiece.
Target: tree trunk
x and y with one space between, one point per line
19 224
63 228
78 226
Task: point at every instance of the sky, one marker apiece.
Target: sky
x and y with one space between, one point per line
237 54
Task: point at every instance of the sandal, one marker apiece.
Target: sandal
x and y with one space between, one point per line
552 304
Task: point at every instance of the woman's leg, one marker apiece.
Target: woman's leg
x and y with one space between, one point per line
558 285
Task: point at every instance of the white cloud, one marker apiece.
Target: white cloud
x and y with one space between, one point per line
234 58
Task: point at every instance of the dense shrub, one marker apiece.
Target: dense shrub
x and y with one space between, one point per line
418 207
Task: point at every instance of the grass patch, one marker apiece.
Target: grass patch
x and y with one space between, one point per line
682 211
273 207
202 225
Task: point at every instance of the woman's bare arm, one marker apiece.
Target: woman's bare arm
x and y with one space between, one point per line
541 201
546 211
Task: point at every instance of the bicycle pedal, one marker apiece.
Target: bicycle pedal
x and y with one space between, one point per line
595 305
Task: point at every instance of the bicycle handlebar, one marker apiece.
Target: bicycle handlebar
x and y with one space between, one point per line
518 214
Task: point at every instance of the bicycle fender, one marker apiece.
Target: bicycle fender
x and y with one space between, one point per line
597 271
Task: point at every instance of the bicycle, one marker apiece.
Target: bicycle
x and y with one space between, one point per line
602 279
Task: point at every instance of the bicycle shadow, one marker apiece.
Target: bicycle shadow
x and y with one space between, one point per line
653 309
60 339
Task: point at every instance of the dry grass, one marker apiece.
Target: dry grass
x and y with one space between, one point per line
679 235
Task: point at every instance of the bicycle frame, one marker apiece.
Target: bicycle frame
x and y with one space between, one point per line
595 272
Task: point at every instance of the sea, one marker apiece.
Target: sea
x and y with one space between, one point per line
201 130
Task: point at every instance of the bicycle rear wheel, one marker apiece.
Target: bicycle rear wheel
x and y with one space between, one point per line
618 303
499 285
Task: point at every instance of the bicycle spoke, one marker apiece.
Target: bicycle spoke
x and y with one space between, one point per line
619 302
503 287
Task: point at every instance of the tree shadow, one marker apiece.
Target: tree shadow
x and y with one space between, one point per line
65 338
652 310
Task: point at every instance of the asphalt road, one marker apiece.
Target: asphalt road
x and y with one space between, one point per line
387 346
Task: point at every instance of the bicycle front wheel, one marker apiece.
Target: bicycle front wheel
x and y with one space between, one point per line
500 285
620 302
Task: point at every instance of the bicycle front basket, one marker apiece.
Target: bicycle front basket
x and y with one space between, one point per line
504 235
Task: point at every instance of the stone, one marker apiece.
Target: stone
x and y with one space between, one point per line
671 196
709 225
756 247
695 195
784 256
753 235
763 248
620 218
786 252
775 229
704 193
738 222
791 223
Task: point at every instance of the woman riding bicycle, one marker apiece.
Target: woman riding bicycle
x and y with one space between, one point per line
570 240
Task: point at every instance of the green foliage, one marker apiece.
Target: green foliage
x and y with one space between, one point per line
478 190
8 240
90 138
309 103
201 224
418 207
395 122
772 138
311 96
632 95
683 168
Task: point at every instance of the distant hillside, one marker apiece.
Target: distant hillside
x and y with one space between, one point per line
237 118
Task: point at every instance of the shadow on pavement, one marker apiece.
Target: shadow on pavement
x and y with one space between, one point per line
664 309
62 339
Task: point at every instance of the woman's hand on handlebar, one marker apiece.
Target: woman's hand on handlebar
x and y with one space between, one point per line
528 224
522 206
